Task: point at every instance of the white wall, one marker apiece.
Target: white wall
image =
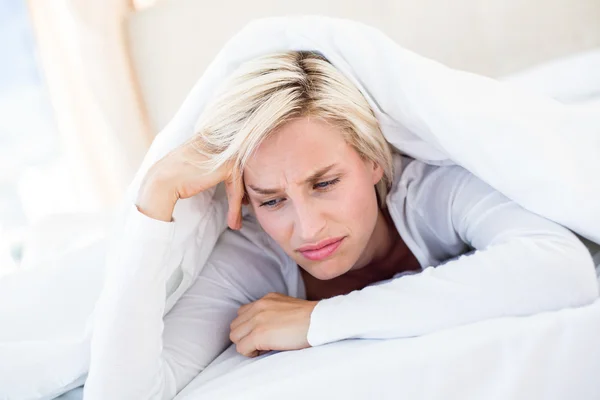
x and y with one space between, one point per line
172 42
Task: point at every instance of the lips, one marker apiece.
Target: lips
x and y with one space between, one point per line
321 250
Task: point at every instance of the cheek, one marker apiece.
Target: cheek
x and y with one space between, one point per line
357 206
276 224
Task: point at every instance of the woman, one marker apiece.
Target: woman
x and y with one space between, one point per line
333 236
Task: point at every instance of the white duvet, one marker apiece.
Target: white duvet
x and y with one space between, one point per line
542 154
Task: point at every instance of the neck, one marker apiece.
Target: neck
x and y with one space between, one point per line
385 248
385 255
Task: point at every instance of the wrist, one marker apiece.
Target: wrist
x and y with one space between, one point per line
156 201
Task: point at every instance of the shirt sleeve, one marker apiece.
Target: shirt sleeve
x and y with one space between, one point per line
135 353
521 264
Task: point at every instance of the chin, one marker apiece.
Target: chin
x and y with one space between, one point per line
326 270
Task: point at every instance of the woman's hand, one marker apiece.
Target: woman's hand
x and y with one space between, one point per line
274 322
178 175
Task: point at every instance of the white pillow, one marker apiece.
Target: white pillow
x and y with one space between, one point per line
571 79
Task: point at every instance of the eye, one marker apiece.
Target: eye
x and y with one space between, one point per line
271 203
324 185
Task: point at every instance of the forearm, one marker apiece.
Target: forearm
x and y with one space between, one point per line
156 200
518 277
126 346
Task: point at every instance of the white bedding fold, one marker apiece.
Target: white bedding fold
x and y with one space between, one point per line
549 356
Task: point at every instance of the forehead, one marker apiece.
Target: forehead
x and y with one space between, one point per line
296 149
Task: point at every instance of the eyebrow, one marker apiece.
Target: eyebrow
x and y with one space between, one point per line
315 176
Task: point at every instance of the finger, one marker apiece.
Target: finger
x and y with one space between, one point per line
258 353
235 195
242 317
241 331
232 214
245 200
246 307
263 302
251 310
247 347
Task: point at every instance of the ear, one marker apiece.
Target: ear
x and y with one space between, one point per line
376 173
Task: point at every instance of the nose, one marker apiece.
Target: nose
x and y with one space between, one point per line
310 222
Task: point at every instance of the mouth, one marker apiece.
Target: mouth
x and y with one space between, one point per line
322 249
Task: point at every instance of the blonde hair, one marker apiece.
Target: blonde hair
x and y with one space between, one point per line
266 92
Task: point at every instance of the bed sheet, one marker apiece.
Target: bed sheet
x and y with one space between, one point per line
75 394
554 355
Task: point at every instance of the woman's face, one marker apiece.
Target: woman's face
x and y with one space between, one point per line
314 195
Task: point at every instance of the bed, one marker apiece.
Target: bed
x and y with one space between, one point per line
552 355
510 358
515 358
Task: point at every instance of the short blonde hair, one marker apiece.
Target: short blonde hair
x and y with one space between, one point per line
266 92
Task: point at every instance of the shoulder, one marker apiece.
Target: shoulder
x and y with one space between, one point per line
423 185
425 200
426 187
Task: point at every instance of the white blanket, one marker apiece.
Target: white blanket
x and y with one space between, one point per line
533 149
549 356
540 153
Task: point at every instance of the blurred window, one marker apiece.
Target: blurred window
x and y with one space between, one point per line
29 139
140 4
